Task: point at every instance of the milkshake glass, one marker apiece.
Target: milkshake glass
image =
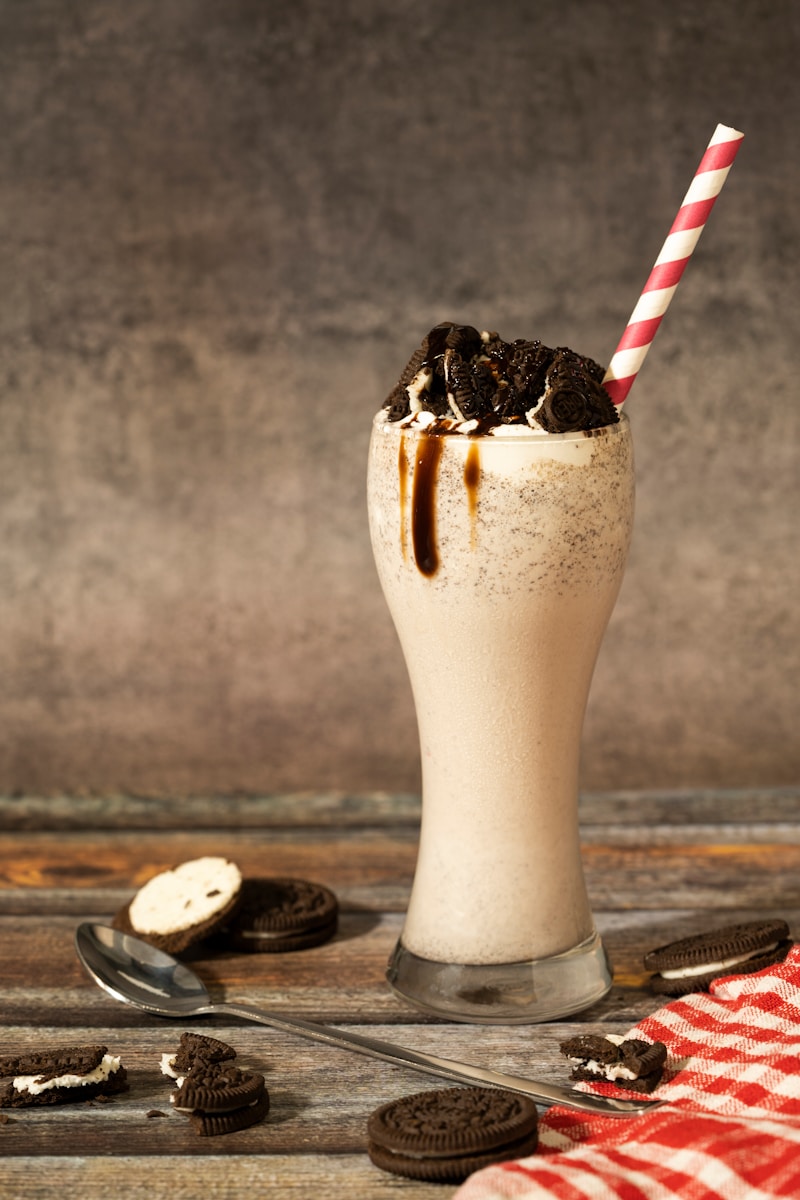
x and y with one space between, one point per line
500 554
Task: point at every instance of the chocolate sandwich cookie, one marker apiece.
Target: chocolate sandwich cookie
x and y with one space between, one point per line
181 906
195 1048
628 1062
446 1134
690 965
60 1076
460 374
221 1099
276 915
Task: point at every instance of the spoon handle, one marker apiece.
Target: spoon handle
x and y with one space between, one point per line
543 1093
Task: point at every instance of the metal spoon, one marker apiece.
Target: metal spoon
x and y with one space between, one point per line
136 973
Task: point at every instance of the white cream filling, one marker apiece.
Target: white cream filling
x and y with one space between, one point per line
419 384
707 968
530 414
168 1065
213 1112
457 413
271 935
187 895
420 419
35 1085
611 1071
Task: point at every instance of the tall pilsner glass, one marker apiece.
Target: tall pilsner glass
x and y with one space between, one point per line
500 556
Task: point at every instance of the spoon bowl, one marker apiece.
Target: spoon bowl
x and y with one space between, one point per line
133 971
137 973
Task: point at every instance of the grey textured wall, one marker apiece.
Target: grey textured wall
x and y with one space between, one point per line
226 223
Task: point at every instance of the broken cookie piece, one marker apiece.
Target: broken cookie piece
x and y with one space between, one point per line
628 1062
60 1076
181 906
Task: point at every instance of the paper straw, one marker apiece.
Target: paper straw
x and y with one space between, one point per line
671 262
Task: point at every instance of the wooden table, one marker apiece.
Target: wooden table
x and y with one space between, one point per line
658 866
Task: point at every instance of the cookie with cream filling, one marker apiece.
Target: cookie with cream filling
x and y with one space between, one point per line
181 906
691 964
630 1063
60 1076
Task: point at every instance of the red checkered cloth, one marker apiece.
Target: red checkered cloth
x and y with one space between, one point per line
730 1127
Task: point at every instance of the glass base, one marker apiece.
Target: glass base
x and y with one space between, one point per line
516 993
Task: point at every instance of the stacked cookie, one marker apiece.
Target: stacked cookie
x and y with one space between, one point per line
275 915
216 1096
607 1058
446 1134
206 897
182 906
691 964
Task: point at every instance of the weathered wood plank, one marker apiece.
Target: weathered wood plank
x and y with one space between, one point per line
367 868
696 834
42 982
345 809
74 901
128 859
319 1095
373 869
721 876
650 881
125 1177
296 809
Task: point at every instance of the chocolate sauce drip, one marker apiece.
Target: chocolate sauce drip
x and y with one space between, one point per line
402 473
423 504
472 478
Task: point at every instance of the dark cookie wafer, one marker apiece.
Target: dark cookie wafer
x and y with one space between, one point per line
194 1048
281 914
86 1072
592 1046
691 964
209 1124
626 1062
213 1087
172 943
643 1057
183 905
49 1063
221 1099
458 372
446 1134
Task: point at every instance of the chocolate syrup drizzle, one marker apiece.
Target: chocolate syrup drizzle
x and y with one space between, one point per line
423 504
402 475
428 452
472 478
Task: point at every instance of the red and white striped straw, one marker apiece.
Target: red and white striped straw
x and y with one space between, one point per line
671 262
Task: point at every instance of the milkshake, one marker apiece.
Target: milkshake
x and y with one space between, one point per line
500 541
